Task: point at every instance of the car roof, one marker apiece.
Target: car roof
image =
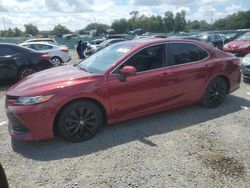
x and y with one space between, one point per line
43 43
41 39
151 41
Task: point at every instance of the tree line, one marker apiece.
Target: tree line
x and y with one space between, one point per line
168 23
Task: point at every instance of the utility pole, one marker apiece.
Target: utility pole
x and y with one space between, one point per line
4 26
211 17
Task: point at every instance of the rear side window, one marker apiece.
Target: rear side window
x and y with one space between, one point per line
40 47
182 53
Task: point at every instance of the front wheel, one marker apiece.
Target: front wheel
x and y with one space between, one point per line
79 121
215 93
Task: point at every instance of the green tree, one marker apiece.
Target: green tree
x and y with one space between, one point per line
100 28
17 32
240 20
180 21
120 26
31 29
168 21
60 30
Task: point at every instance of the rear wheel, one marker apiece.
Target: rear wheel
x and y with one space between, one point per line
56 61
215 93
79 121
26 71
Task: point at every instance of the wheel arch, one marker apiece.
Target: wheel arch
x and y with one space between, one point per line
98 103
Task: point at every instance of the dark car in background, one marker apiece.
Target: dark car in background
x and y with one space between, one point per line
17 62
97 41
94 48
240 46
216 39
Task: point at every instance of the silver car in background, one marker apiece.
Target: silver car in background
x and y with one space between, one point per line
245 68
59 54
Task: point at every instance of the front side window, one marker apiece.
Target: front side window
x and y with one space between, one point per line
182 53
147 59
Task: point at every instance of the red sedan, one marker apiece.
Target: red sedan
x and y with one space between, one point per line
123 81
240 46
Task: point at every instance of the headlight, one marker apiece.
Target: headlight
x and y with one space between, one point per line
246 60
33 100
225 46
245 46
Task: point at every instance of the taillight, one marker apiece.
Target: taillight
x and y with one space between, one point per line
64 49
45 57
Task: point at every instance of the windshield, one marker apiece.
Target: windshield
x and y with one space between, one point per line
243 37
99 62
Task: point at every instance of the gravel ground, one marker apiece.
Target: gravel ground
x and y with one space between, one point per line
185 147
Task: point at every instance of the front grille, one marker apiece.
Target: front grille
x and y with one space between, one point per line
15 123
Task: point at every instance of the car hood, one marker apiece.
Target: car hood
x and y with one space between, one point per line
238 43
49 80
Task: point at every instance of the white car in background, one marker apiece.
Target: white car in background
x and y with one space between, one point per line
49 40
59 54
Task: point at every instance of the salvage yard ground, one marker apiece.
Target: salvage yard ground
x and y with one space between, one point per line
186 147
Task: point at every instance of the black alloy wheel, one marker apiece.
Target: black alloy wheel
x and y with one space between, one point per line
215 93
80 121
26 71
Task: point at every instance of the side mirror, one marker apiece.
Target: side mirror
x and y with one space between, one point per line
127 71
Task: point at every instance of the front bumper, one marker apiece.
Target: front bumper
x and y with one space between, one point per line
239 52
33 122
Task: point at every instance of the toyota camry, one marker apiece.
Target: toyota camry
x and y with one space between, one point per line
123 81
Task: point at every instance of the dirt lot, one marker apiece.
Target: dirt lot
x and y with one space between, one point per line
186 147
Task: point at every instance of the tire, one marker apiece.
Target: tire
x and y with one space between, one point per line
215 93
57 61
79 121
3 179
25 71
246 80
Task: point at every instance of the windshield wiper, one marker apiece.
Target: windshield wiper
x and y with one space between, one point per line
83 69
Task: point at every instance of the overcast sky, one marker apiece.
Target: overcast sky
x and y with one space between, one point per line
76 14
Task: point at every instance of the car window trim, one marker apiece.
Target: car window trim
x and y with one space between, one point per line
166 57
